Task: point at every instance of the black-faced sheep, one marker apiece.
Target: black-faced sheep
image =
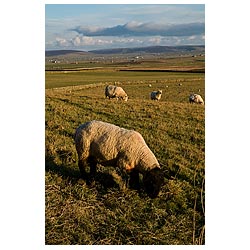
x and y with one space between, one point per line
112 91
156 95
194 98
109 145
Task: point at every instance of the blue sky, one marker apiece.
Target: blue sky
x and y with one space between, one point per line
99 26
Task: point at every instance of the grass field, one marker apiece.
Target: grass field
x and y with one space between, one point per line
172 128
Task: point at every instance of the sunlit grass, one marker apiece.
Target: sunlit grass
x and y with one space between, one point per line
105 214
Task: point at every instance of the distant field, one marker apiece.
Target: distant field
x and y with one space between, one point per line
173 129
61 79
61 75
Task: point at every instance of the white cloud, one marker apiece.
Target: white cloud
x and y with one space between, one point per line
134 28
76 41
133 25
111 25
155 40
191 38
61 42
86 43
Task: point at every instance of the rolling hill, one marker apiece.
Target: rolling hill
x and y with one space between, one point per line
195 49
49 53
152 49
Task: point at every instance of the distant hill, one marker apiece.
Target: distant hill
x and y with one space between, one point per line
65 52
153 49
140 50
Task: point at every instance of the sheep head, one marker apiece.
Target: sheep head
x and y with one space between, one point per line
153 181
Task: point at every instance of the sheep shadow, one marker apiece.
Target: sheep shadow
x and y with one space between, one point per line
103 181
66 172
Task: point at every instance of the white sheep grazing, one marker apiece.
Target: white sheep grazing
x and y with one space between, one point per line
156 95
109 145
112 91
194 98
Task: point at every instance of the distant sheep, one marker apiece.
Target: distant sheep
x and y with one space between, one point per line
109 145
112 91
156 95
194 98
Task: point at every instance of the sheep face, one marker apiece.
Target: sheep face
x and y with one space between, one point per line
156 95
153 181
125 98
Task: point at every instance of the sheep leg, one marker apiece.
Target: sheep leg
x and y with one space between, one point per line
82 166
92 163
134 179
122 163
125 178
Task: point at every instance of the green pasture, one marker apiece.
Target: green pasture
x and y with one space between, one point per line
62 79
105 214
60 75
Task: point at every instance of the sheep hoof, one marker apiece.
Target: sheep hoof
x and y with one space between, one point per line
81 182
90 183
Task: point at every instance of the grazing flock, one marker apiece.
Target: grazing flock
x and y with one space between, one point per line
112 91
103 143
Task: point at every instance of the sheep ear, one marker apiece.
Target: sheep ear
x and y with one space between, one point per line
128 167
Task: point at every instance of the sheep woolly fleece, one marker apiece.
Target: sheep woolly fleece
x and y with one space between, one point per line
194 98
115 146
112 91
